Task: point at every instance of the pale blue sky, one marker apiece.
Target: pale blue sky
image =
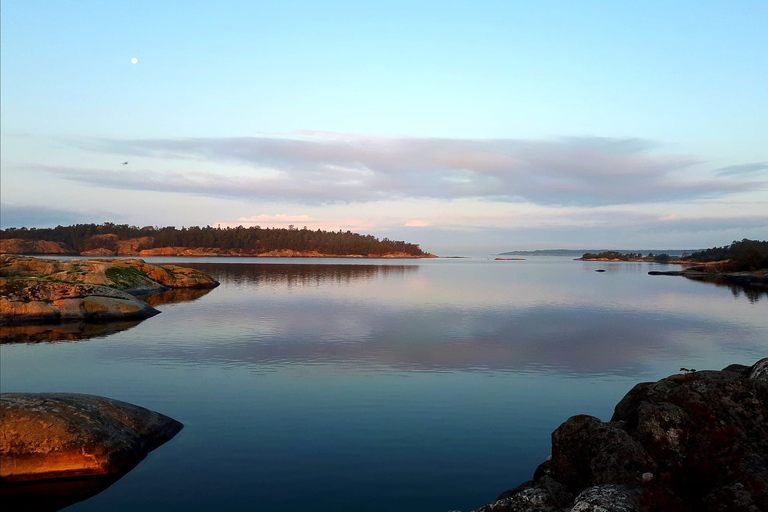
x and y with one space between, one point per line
498 124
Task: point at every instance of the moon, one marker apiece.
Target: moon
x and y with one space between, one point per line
134 60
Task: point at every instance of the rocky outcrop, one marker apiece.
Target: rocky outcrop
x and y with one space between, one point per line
133 275
691 442
33 301
42 290
48 436
20 246
132 246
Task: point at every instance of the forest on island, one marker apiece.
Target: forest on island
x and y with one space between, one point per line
254 239
742 255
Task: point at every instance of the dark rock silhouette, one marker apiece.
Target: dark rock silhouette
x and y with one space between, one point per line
690 442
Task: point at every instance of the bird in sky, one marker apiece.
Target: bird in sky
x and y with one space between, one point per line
125 163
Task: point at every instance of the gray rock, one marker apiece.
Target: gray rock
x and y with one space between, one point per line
606 498
759 370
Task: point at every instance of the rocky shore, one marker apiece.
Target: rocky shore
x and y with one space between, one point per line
692 442
134 247
44 290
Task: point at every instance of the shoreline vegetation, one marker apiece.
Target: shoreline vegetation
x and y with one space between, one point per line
108 239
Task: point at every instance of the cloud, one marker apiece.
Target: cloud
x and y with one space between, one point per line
744 169
278 218
416 224
18 216
337 168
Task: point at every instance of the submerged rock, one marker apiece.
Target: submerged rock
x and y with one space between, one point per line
50 436
691 442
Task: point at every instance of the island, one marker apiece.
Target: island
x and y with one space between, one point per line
35 290
694 441
110 239
628 256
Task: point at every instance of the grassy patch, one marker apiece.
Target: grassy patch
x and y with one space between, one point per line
126 278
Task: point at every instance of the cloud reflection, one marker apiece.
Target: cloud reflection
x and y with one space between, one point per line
267 325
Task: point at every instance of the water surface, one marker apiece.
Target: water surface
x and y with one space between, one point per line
408 385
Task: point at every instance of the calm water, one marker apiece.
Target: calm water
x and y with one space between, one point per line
429 385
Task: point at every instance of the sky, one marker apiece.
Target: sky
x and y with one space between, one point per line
465 127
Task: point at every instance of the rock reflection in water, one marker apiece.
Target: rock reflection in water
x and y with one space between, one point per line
53 495
753 292
80 330
66 331
175 295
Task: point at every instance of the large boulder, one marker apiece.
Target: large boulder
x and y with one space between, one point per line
47 436
690 442
34 301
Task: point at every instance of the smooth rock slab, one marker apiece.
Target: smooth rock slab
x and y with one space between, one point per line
61 435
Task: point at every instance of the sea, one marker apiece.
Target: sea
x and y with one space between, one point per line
380 385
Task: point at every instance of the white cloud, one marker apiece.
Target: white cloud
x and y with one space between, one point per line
339 168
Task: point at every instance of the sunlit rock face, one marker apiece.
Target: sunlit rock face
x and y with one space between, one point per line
32 301
35 290
691 442
47 436
20 246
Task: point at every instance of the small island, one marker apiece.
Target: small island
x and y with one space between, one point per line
110 239
627 256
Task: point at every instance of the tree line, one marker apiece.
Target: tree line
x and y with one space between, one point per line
255 239
742 255
626 256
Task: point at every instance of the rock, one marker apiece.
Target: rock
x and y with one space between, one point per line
20 246
587 452
43 290
132 246
759 370
32 301
47 436
133 275
606 498
690 442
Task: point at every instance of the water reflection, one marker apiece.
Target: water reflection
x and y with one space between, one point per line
300 275
54 495
752 292
175 296
569 340
83 330
65 331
